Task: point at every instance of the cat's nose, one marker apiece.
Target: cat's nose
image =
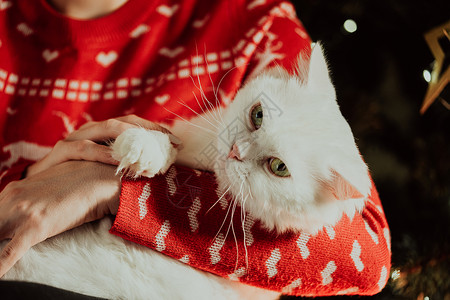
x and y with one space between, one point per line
234 153
239 150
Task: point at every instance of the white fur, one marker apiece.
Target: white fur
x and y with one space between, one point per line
90 260
143 152
306 130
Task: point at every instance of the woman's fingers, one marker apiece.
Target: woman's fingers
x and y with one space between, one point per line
84 150
133 119
100 131
83 144
14 250
112 128
66 150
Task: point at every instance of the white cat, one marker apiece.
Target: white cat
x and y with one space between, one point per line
283 139
286 132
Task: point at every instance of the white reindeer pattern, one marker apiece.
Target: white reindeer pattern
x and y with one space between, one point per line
33 151
23 149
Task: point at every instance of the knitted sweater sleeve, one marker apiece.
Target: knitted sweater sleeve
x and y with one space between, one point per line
183 215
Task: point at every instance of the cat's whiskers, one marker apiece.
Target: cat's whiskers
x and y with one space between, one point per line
205 133
243 216
200 87
235 202
212 111
220 198
210 108
250 191
200 127
218 104
187 106
216 109
223 223
214 91
209 74
240 195
228 211
198 103
189 129
234 235
205 99
223 77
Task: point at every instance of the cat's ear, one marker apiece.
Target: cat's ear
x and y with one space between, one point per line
350 178
318 74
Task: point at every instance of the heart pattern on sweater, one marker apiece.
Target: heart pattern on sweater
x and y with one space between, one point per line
171 52
140 30
106 59
5 4
10 111
49 55
199 23
24 29
167 11
162 99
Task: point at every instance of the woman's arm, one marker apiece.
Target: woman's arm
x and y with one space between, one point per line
55 200
74 184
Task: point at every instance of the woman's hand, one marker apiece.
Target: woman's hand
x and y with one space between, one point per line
74 184
55 200
89 142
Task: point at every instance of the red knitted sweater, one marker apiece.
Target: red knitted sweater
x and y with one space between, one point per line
57 73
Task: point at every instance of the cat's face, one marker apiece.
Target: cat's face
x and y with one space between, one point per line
292 161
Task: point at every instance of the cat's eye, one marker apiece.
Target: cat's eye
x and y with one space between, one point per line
256 115
278 167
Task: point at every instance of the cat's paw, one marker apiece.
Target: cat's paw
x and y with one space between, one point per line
143 152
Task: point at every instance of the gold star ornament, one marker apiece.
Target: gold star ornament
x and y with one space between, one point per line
438 79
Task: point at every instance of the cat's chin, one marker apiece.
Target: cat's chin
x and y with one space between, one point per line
274 218
223 174
310 221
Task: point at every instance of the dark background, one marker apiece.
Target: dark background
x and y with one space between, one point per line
378 71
